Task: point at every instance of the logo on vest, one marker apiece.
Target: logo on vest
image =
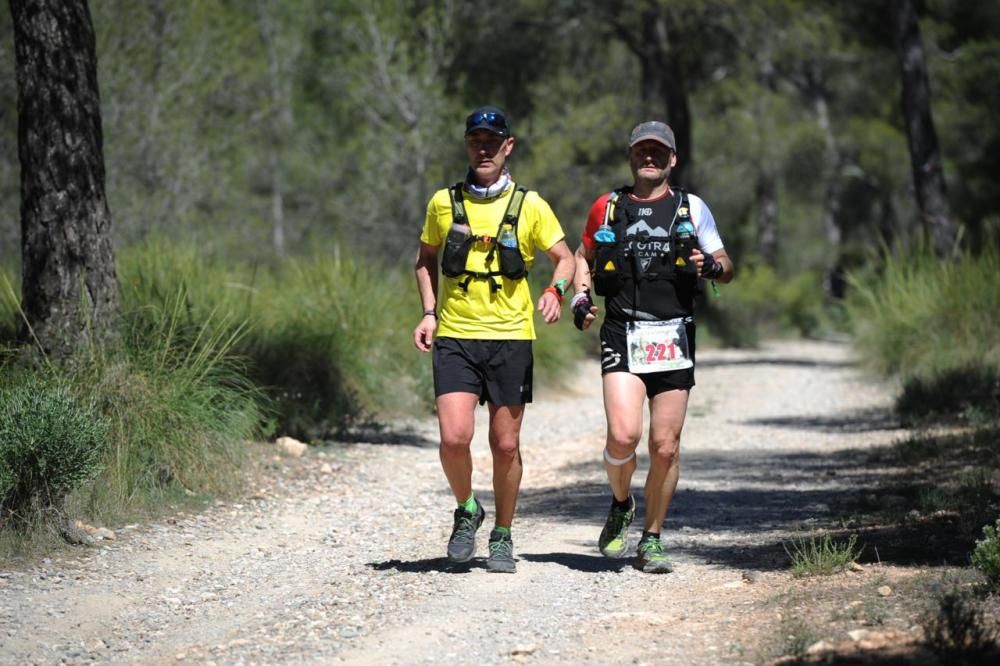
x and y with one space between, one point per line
647 242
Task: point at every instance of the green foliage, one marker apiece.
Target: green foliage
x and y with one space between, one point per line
796 636
821 556
933 324
178 403
970 392
50 443
9 304
958 632
986 555
174 407
329 339
759 303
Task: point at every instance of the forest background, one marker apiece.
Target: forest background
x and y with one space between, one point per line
268 166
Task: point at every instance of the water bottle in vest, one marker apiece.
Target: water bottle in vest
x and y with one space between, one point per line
685 240
511 262
604 234
456 249
507 237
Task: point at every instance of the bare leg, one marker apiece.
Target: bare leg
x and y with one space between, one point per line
457 423
505 437
667 411
624 394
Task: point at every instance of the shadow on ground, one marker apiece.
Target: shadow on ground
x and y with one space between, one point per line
780 361
747 510
869 420
437 564
579 562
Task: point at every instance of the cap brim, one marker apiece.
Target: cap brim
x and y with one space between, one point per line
652 137
489 128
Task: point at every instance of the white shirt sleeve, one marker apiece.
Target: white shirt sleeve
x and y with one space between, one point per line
704 225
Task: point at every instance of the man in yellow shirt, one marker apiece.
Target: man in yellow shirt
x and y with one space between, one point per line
486 231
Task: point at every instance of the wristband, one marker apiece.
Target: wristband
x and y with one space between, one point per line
581 305
560 286
554 292
580 296
711 269
430 313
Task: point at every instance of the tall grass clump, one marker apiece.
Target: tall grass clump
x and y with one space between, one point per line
327 339
179 407
332 341
820 556
51 443
934 324
9 307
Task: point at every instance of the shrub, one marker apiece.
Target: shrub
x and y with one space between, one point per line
986 556
760 303
958 632
971 392
50 444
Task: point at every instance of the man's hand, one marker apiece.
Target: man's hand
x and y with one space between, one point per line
708 266
423 334
584 310
550 305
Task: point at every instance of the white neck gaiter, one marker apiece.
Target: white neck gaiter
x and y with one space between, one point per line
496 189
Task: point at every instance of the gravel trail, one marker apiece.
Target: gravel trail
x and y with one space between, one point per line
337 557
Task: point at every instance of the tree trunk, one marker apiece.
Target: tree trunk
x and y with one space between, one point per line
69 288
834 282
767 217
925 156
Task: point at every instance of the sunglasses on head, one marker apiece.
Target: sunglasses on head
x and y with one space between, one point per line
491 118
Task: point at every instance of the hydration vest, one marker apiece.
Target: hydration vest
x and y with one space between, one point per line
455 257
616 262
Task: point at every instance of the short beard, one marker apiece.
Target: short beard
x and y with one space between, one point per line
652 181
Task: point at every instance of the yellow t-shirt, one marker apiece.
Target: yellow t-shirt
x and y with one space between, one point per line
478 313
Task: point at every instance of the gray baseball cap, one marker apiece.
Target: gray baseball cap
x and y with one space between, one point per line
653 130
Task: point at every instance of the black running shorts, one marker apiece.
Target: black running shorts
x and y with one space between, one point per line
498 371
614 359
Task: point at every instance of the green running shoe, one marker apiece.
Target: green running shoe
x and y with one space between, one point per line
501 559
614 537
651 558
462 544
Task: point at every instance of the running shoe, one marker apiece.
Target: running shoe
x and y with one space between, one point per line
651 558
462 544
501 558
614 537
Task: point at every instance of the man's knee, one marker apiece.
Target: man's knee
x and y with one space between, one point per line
622 442
665 450
456 440
505 446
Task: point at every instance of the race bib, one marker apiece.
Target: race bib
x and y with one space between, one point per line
657 346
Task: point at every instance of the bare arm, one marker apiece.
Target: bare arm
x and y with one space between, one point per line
584 257
426 270
549 304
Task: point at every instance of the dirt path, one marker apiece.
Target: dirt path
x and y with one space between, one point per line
338 556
